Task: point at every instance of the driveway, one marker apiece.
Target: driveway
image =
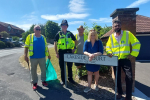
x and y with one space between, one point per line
142 77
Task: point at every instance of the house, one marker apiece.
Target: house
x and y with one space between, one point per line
143 35
11 29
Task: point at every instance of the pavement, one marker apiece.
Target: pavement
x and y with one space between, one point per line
15 82
142 81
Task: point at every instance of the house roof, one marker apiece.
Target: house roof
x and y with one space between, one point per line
14 27
142 25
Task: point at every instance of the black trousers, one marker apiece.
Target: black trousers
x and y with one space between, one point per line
61 64
126 66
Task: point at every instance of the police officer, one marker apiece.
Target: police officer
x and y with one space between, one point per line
63 41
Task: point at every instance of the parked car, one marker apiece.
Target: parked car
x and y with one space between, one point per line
16 43
5 39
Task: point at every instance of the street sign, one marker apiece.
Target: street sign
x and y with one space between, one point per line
99 60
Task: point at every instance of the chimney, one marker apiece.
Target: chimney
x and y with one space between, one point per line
127 16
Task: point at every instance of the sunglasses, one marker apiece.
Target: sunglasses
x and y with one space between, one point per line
64 25
38 29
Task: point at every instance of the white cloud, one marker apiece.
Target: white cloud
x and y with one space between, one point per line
137 3
76 22
23 26
102 20
64 16
77 6
30 17
26 21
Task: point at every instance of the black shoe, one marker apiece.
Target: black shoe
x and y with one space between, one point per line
72 81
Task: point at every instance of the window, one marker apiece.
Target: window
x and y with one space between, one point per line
9 28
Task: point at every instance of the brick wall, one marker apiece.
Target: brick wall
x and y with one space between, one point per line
127 17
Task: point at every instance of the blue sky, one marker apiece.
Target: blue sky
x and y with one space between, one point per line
24 13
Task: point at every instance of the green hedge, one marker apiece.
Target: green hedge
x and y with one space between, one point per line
2 45
9 45
103 69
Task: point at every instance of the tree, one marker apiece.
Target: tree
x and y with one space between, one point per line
24 35
98 28
86 31
104 30
4 34
15 38
31 30
51 28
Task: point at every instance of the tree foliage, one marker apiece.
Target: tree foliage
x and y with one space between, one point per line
87 29
51 28
98 28
25 34
31 30
4 34
101 30
15 38
104 30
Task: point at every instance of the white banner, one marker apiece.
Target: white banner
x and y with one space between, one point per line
99 60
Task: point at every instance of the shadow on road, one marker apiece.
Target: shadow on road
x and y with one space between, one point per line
55 91
143 88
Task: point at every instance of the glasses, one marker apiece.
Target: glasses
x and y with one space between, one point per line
64 25
38 29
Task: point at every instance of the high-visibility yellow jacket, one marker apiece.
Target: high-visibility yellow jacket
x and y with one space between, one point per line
85 38
65 41
29 44
122 49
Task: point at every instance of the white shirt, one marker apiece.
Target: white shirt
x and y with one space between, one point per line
118 37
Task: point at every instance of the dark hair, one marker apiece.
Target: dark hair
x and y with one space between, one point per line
117 21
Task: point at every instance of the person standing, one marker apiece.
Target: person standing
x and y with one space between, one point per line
63 43
92 48
37 46
118 44
81 38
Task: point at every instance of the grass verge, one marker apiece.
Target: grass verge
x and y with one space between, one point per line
55 63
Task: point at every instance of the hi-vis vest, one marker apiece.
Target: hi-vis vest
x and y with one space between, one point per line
122 49
29 44
85 38
65 41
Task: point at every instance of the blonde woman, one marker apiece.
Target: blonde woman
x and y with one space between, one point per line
92 48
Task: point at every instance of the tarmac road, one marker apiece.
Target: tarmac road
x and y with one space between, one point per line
15 82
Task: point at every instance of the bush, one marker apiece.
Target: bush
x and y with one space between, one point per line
9 44
15 38
104 69
16 44
2 44
104 43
